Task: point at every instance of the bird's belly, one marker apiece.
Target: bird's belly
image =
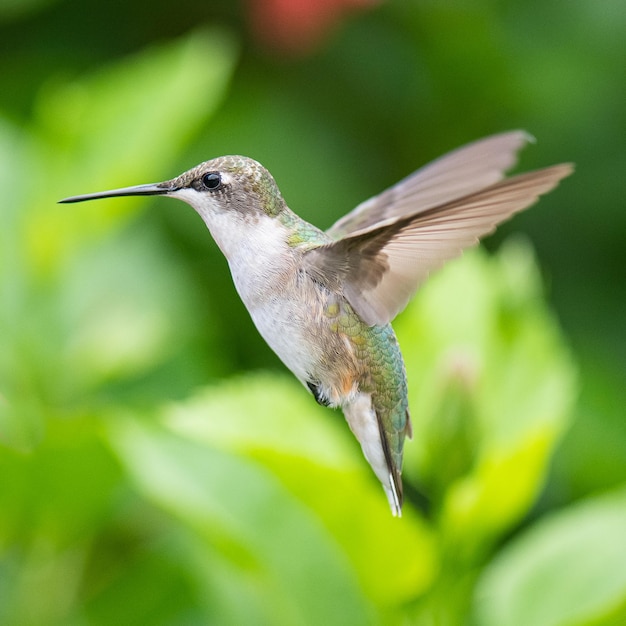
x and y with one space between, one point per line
297 341
298 320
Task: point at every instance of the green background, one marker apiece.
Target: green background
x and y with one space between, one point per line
158 465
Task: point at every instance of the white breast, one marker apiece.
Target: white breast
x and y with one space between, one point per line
263 267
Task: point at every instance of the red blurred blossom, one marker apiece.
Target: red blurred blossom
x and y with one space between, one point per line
298 26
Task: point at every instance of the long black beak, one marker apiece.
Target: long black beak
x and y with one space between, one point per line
153 189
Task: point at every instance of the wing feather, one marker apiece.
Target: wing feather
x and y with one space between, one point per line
379 268
454 175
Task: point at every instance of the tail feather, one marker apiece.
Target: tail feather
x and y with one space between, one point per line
394 487
394 494
367 426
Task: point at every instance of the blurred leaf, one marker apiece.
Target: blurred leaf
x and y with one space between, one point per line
242 511
128 310
499 355
53 502
277 423
568 570
152 586
74 471
22 424
265 412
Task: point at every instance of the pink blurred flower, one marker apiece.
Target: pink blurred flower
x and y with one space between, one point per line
297 26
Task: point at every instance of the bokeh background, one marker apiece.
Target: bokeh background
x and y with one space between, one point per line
158 465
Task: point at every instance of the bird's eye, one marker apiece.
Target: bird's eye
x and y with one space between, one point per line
212 181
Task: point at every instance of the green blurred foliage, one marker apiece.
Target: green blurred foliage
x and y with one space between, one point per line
151 474
568 569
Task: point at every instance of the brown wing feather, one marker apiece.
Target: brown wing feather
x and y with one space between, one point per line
454 175
379 268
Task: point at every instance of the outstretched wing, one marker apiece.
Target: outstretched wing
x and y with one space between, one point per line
379 268
454 175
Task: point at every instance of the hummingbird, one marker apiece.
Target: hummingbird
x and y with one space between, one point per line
324 300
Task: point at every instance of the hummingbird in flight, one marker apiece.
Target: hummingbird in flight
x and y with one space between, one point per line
324 300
